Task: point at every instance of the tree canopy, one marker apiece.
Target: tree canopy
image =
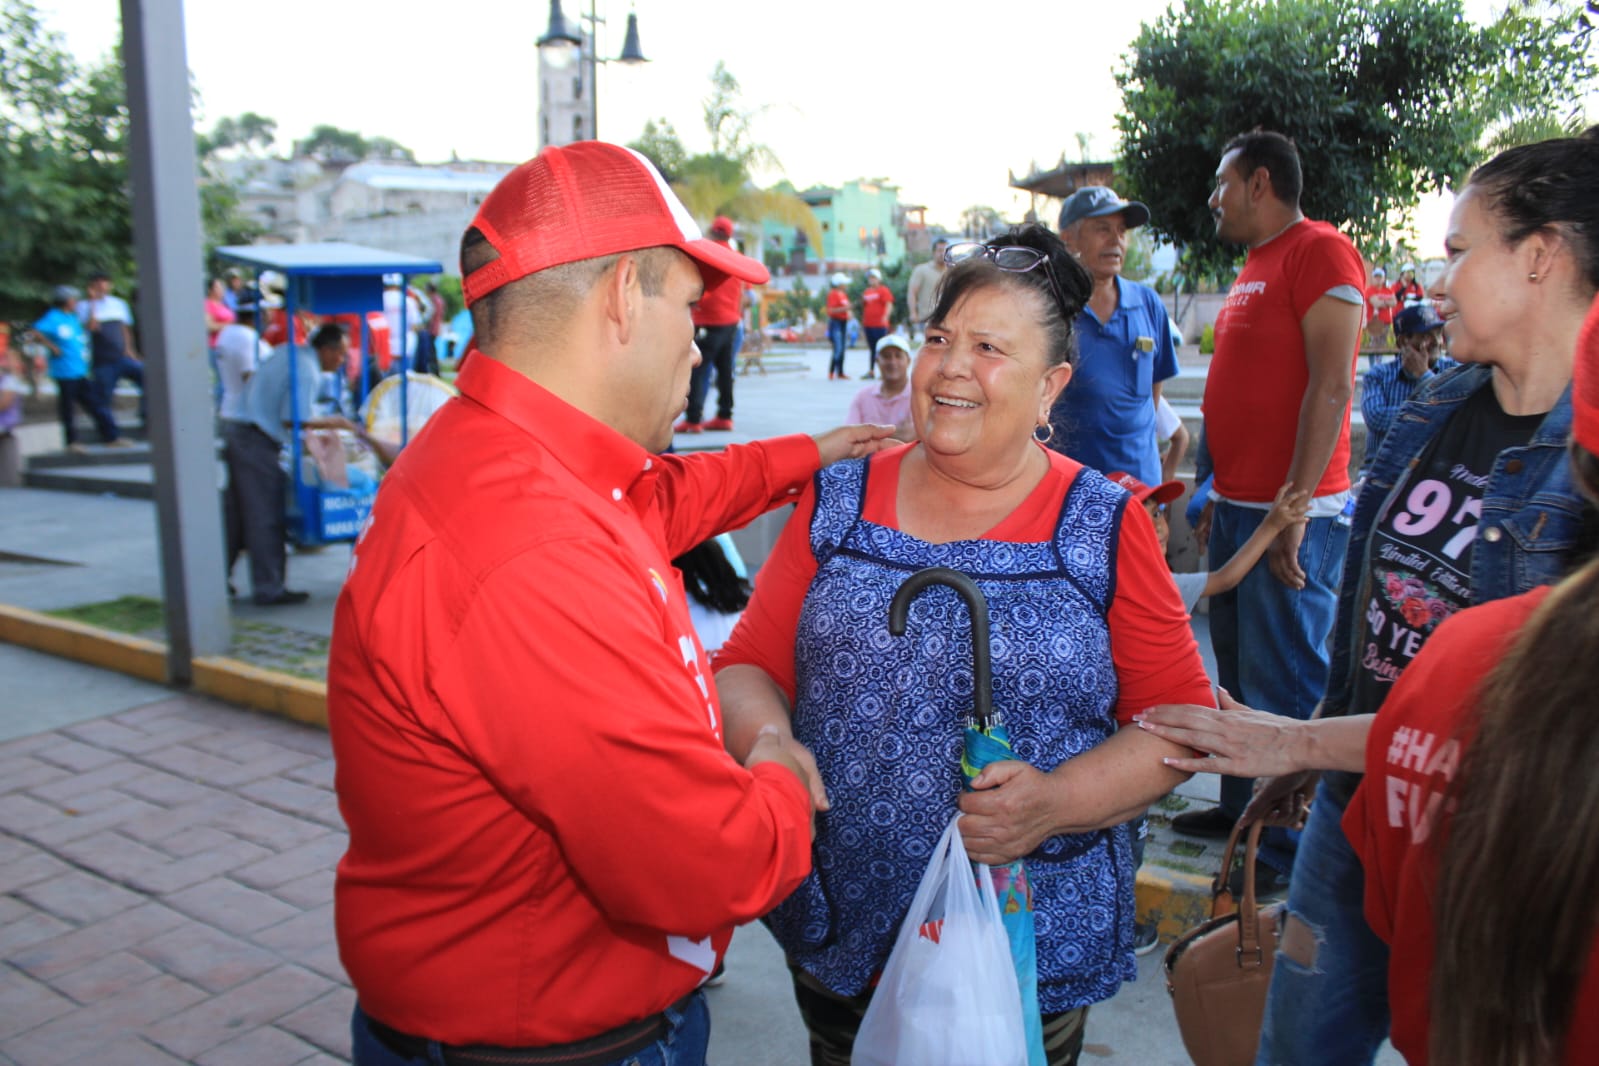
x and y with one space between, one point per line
330 144
660 145
719 182
64 182
1386 99
250 133
63 164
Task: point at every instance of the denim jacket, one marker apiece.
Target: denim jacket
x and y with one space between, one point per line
1531 522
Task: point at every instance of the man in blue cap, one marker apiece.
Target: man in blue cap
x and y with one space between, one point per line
1420 333
1106 418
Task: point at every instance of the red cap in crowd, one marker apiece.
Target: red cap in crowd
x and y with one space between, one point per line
1585 384
722 226
1165 492
587 200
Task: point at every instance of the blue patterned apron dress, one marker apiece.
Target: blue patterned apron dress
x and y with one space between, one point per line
884 716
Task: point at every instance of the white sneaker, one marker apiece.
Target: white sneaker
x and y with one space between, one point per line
1146 937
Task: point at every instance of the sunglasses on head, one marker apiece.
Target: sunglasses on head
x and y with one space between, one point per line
1011 258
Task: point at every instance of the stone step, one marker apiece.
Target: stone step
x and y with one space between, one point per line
92 455
134 481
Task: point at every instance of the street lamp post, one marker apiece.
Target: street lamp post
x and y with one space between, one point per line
563 45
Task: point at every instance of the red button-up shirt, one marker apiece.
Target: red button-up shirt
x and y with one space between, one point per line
547 839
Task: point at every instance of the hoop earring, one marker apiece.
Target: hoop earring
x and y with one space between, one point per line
1048 436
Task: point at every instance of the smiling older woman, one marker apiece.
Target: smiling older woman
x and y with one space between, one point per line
1088 629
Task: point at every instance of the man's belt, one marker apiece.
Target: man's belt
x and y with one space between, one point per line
599 1050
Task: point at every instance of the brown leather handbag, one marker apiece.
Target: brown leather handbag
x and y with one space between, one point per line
1217 972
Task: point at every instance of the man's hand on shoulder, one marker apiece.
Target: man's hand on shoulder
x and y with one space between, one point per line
852 442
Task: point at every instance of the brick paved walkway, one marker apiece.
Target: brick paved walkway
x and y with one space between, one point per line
166 887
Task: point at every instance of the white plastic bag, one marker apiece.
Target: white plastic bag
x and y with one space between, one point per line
953 1000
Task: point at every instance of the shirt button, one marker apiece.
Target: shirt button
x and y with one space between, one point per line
1513 466
648 463
1492 534
616 494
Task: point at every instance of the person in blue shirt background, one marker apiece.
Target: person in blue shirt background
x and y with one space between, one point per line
1105 419
1420 334
61 332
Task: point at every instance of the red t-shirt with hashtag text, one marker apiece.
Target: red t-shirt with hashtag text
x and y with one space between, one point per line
1393 822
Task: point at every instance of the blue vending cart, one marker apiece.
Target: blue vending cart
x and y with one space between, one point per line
332 279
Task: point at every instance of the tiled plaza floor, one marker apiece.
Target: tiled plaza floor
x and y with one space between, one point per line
166 882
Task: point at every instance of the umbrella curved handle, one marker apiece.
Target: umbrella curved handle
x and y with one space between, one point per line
976 606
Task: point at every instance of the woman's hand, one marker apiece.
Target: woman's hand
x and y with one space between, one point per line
852 442
1013 810
1241 742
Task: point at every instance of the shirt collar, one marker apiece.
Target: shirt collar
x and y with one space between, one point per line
1121 304
595 453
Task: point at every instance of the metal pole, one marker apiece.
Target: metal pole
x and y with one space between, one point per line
167 242
594 73
405 358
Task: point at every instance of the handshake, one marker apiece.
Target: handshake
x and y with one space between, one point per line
775 745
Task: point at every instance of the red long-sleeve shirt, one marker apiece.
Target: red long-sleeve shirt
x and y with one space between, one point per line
547 839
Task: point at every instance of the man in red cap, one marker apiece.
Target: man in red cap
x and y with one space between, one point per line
549 847
716 319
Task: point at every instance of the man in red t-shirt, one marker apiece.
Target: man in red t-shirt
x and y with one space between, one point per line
1277 411
1406 291
1380 304
716 319
838 315
549 845
877 304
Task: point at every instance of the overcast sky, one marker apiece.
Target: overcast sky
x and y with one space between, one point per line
941 98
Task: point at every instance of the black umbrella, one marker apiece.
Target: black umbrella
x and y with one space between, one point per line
987 741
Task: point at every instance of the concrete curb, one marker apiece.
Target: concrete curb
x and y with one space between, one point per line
298 698
135 656
227 679
1173 900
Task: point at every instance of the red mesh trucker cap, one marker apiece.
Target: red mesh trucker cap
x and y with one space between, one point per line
587 200
1585 383
1165 492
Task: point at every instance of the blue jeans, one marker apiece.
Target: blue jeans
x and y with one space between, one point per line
106 375
80 392
1271 640
873 335
838 334
1335 1011
685 1043
717 353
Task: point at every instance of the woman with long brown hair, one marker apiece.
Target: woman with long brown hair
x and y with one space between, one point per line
1478 818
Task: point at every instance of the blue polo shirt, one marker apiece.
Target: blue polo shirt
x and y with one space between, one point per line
1105 417
66 333
270 403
